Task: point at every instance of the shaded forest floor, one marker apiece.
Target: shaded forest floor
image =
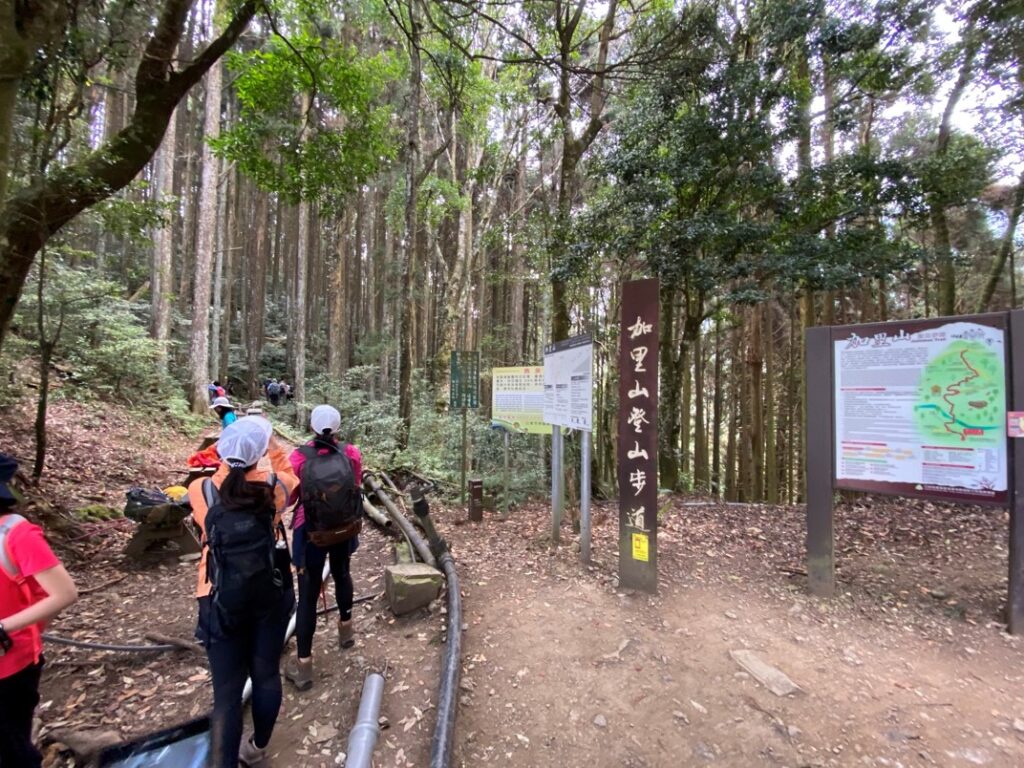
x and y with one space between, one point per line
908 666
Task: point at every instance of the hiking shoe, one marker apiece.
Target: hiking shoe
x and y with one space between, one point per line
346 638
300 673
250 755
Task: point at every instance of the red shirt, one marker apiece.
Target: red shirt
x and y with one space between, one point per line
28 550
297 459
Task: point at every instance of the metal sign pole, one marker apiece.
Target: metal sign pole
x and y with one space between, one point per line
1015 598
507 440
464 453
585 498
556 483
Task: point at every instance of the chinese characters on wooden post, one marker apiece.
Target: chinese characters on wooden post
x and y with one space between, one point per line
638 436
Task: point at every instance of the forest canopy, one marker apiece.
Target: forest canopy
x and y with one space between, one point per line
343 193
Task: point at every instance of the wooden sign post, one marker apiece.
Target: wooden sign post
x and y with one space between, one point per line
638 436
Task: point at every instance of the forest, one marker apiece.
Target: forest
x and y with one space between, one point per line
341 194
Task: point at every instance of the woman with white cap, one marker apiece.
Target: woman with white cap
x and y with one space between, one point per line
339 546
244 638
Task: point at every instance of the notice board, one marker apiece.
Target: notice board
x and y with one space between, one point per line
569 383
517 399
919 408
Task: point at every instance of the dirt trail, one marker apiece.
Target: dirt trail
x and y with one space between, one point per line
908 666
567 670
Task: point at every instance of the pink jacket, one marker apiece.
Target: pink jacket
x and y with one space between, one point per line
297 460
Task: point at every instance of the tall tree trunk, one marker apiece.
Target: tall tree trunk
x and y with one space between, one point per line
32 215
1005 247
220 251
940 222
25 26
771 468
163 251
412 160
299 339
668 432
199 349
338 333
716 412
257 295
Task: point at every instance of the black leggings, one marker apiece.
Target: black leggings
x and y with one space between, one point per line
234 656
19 695
310 582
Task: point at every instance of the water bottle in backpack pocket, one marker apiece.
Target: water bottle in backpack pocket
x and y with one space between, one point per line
331 500
242 564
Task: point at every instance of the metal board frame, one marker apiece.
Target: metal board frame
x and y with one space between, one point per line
821 466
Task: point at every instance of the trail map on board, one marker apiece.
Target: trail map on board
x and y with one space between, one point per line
920 409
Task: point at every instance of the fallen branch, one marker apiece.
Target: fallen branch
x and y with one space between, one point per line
185 645
104 585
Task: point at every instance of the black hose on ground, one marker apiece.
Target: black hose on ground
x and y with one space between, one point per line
451 662
163 647
58 640
420 546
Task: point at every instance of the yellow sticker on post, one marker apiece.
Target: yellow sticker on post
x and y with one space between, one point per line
640 547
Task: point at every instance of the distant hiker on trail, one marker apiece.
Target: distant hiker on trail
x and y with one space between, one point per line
215 390
225 411
274 392
326 524
34 587
245 589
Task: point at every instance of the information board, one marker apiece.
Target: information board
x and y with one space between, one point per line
517 399
465 380
920 408
569 384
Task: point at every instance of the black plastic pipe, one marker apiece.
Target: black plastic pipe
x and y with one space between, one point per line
410 532
451 662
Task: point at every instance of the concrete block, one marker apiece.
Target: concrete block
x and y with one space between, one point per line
411 585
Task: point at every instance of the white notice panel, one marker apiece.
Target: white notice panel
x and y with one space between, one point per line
569 383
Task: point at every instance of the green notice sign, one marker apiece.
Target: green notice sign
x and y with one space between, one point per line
465 378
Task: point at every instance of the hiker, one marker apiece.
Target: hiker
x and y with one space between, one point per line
326 525
245 590
225 411
215 390
34 587
274 392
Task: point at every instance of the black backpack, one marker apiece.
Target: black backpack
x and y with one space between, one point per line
331 499
241 564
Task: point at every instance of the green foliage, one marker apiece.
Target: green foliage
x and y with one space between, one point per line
694 187
435 439
370 422
104 345
322 152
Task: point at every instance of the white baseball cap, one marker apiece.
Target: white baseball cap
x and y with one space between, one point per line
325 417
263 422
243 442
221 402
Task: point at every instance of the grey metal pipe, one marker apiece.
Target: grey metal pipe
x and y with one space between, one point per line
407 528
363 737
376 515
585 497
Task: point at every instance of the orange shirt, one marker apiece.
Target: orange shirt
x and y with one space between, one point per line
276 459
